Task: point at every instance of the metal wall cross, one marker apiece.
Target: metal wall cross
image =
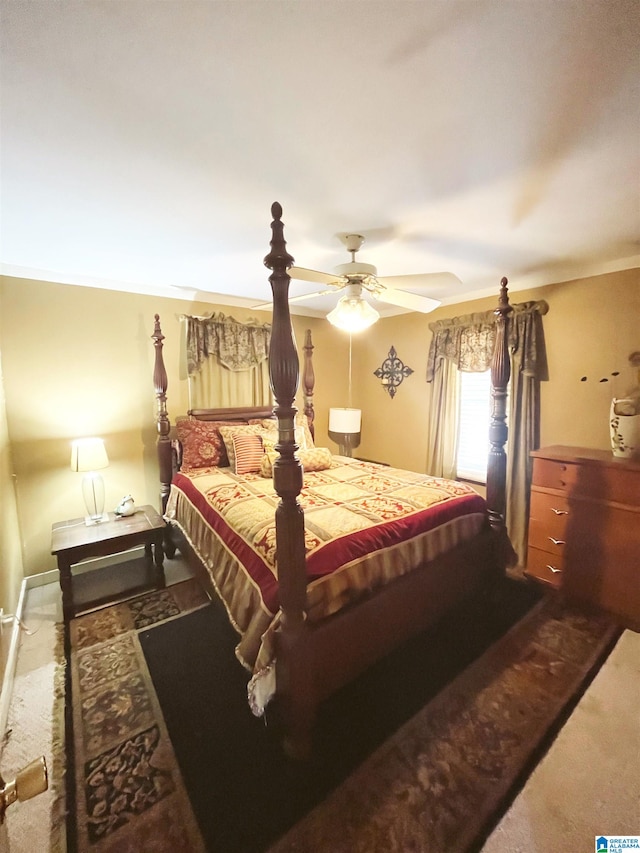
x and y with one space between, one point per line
392 371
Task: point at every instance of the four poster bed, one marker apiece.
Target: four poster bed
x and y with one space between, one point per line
367 555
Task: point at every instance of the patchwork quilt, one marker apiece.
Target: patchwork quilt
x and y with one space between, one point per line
365 524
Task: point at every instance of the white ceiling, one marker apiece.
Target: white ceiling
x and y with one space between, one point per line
144 142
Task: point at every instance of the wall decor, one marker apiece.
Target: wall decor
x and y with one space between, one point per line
391 372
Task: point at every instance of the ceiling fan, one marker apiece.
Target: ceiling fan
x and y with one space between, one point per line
356 277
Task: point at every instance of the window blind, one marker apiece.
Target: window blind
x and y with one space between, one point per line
473 426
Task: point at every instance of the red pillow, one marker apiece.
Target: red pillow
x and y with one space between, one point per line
202 444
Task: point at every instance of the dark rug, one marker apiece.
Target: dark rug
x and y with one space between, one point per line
423 752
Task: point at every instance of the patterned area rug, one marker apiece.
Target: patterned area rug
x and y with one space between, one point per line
438 784
444 779
129 791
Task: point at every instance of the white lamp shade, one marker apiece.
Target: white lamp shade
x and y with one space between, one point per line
353 314
88 454
345 420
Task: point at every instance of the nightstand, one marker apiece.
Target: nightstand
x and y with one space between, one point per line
73 541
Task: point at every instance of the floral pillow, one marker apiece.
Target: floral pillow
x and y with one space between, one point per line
202 444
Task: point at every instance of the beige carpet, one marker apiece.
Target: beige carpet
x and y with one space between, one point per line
35 727
588 784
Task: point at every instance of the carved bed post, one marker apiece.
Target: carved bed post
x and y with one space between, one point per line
284 374
163 425
498 432
309 381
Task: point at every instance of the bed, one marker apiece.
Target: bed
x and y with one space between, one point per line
323 572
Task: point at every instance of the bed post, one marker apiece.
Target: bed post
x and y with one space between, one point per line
309 381
292 685
497 464
163 425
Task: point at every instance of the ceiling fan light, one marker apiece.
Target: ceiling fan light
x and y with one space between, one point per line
353 315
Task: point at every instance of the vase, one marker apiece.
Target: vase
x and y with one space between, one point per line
624 428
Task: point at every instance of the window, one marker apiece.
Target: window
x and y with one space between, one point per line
473 426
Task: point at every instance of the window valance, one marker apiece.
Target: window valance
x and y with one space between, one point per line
468 341
237 346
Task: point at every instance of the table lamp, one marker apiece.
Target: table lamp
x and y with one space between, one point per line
88 455
344 429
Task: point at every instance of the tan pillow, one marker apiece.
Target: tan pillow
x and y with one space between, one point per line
303 436
248 452
314 459
227 433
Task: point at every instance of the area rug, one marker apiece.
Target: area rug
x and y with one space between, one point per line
129 793
421 753
444 779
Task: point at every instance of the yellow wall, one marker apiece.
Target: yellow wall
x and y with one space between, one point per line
10 549
592 327
79 361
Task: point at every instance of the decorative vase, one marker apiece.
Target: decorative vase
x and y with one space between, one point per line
624 427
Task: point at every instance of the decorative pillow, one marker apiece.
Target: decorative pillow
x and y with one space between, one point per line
266 463
303 436
202 444
248 452
227 433
314 459
301 421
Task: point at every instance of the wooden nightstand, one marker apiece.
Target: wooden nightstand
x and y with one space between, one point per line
73 541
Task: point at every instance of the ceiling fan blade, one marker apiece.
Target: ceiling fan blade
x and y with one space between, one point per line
301 298
302 274
408 300
426 280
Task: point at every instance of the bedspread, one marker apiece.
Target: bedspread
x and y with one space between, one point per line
364 525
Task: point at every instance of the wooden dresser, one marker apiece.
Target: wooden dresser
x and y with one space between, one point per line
584 528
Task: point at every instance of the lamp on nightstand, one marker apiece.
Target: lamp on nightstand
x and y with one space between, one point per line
344 429
88 455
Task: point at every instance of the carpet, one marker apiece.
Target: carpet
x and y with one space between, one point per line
129 794
421 753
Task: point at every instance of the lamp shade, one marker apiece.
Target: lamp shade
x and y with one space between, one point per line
345 420
88 454
353 314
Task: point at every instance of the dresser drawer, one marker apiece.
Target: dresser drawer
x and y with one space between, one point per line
548 521
545 567
597 482
555 475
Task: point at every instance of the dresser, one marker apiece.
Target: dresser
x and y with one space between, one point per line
584 528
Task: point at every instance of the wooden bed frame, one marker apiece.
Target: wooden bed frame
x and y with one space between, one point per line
314 660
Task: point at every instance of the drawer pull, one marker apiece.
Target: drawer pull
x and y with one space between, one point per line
559 511
556 541
554 569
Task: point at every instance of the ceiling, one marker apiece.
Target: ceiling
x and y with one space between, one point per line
143 143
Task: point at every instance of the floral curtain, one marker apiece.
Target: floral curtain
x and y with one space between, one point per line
467 343
227 361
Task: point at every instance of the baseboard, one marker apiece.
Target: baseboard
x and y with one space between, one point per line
10 668
31 582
